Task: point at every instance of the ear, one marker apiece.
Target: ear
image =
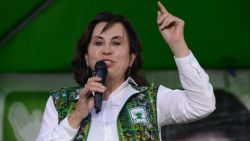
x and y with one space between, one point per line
132 59
87 59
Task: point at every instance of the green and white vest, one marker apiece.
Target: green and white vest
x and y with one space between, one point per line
137 120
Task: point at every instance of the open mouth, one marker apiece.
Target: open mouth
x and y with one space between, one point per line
108 62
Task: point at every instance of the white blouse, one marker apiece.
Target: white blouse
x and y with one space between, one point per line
196 101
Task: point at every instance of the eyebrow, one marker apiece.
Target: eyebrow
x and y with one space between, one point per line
115 37
97 36
118 37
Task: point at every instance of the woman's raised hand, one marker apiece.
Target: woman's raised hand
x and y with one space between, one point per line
172 30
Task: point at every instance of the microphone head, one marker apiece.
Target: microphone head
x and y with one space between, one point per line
100 65
101 70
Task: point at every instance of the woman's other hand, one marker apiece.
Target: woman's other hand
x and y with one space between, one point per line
172 30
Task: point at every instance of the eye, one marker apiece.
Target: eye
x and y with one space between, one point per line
98 43
116 43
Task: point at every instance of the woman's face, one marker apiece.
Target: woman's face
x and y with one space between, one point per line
112 47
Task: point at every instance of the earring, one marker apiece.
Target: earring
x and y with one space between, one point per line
129 71
87 70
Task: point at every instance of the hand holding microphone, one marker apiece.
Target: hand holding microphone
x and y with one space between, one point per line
86 103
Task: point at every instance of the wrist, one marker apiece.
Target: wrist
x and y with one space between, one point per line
74 120
180 49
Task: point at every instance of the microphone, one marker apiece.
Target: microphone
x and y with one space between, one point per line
100 71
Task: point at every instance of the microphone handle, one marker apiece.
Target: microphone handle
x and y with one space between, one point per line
98 96
98 102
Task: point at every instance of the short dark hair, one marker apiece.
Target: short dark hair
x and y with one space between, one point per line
82 72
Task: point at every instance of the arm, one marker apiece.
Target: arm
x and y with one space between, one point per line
68 127
51 130
197 99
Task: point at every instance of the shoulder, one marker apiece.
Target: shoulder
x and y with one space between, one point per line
152 87
70 93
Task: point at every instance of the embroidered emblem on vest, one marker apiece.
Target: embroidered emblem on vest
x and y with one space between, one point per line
138 115
137 121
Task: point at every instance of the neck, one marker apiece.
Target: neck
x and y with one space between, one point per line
112 84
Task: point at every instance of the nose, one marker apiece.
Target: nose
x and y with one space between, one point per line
107 50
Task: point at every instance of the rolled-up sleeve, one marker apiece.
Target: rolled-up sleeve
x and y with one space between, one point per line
194 102
51 130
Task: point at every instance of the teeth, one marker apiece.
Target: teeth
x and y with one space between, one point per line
108 62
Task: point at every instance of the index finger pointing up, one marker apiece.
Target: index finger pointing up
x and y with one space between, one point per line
162 9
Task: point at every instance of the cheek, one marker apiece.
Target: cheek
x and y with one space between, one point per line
123 57
93 55
123 50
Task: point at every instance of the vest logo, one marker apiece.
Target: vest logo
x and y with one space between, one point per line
138 115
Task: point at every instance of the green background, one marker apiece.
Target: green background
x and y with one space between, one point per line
217 31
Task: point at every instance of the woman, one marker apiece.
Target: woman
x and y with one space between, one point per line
132 109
